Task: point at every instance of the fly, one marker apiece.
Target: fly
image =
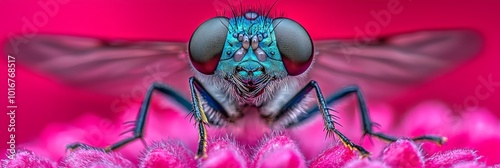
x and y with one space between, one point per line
254 60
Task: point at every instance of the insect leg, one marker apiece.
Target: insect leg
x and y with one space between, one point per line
365 117
200 115
141 117
323 108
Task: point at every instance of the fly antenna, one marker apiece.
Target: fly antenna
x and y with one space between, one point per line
271 8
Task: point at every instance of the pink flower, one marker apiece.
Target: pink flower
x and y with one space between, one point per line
477 130
335 156
168 154
276 151
24 158
94 159
470 141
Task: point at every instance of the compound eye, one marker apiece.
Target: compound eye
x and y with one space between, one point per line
207 43
295 45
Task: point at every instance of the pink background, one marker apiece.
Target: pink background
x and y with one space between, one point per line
43 100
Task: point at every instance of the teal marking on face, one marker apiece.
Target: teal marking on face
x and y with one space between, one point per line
250 51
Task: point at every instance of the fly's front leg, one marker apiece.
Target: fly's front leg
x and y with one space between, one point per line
140 122
366 120
367 123
200 115
195 106
325 114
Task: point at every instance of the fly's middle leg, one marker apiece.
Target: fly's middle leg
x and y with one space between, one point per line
140 122
367 123
325 114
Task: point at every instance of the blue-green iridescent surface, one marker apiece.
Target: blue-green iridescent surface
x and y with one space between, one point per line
250 53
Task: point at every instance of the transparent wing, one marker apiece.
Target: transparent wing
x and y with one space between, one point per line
114 67
387 65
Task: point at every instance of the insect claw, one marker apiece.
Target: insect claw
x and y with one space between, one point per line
345 144
73 146
70 148
443 140
203 156
107 149
364 155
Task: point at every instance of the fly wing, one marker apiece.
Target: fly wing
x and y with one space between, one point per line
114 67
385 66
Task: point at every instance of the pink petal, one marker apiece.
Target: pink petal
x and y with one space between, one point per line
336 156
224 152
363 163
427 117
279 151
24 158
469 165
449 158
168 121
480 129
402 153
94 158
168 154
88 128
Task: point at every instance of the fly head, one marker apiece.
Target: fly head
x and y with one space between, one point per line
250 51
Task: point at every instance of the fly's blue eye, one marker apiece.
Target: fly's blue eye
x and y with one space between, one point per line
295 45
207 43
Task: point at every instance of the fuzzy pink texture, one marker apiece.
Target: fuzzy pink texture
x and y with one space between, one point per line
363 163
404 154
167 154
448 158
279 151
225 152
475 130
94 159
26 158
401 154
335 156
275 151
